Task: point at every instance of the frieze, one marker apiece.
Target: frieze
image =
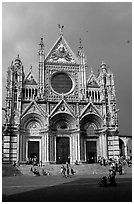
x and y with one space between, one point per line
58 68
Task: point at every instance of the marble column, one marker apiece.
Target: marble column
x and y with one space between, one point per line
125 148
78 138
104 145
47 147
18 147
101 150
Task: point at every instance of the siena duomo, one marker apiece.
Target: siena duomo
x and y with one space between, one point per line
63 116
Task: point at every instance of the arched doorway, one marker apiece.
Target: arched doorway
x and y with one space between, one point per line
61 126
31 137
89 126
62 142
33 144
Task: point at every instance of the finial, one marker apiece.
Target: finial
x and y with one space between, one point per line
91 70
18 56
31 68
62 96
41 43
61 29
80 43
103 64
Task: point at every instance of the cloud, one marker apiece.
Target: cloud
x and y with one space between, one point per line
109 26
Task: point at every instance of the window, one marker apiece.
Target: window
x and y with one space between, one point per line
15 98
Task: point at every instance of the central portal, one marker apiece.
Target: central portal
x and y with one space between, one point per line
91 152
33 149
62 150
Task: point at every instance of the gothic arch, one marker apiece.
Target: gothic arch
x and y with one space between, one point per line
32 118
62 121
94 119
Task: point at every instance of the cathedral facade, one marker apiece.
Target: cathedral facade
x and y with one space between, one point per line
63 116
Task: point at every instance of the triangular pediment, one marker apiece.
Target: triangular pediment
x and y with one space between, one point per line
61 53
62 107
30 79
93 82
90 109
33 107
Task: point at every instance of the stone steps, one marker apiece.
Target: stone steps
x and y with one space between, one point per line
9 170
54 169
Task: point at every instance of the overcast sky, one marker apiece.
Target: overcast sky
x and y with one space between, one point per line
105 29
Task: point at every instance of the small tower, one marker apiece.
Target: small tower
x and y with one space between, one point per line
15 77
106 81
82 71
41 54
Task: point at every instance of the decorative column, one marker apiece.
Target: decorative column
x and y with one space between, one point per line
43 148
125 148
101 145
78 146
47 148
18 147
104 145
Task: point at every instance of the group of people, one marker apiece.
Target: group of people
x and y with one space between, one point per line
67 171
37 173
33 161
111 181
123 161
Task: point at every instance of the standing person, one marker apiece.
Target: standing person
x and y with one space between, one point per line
120 169
67 169
116 166
67 165
111 177
63 171
72 171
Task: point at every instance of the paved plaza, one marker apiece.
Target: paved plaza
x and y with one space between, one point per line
78 188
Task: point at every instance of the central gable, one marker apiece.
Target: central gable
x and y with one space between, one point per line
61 53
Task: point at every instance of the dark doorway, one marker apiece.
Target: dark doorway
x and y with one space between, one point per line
62 150
91 152
33 149
121 147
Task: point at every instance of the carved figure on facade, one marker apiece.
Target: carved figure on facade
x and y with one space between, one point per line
61 52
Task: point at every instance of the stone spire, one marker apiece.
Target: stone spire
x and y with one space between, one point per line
41 67
82 70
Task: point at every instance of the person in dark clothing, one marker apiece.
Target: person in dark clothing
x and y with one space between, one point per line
103 182
68 172
111 177
14 163
72 171
120 169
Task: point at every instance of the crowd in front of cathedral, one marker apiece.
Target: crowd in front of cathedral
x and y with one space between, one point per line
114 161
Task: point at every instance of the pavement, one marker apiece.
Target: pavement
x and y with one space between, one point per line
78 188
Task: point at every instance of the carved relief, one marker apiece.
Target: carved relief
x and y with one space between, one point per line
61 52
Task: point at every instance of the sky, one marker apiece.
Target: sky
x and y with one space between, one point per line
104 27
